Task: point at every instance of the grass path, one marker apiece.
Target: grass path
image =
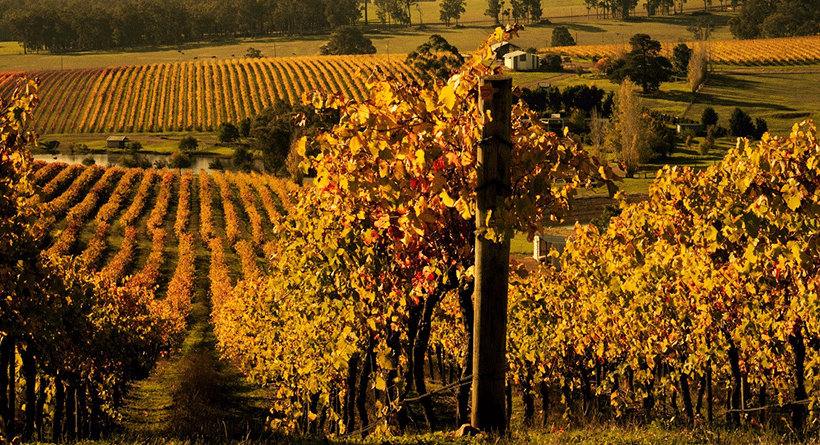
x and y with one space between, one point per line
194 394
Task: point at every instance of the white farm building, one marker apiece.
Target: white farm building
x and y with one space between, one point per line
521 61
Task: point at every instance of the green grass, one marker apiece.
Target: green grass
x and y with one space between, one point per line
781 98
163 143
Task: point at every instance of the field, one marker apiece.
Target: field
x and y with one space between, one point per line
197 96
787 51
188 96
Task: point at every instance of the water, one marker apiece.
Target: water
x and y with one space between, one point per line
111 159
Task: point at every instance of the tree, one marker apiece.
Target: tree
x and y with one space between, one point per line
435 59
680 58
386 235
179 159
242 158
552 63
245 127
709 117
698 66
253 53
342 13
625 135
188 144
562 37
347 40
494 8
452 10
783 18
761 128
644 64
740 124
227 132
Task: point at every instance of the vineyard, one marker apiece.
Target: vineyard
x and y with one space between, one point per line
351 300
782 51
188 96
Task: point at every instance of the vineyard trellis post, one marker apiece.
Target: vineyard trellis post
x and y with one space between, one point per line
492 259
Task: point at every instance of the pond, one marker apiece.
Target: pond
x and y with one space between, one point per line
111 159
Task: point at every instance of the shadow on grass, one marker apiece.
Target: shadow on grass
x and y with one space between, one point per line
717 20
672 96
580 27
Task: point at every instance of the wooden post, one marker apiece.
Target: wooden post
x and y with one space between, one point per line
492 263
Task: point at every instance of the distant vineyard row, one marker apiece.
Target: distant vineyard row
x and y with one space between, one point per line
785 51
188 95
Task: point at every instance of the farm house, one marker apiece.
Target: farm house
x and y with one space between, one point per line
521 61
503 48
116 141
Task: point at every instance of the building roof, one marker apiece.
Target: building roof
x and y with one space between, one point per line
514 54
117 139
495 46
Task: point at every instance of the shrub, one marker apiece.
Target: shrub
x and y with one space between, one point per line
552 63
709 117
160 163
227 132
347 40
562 37
245 127
179 160
134 161
135 146
216 164
188 144
761 127
88 160
708 143
740 124
242 159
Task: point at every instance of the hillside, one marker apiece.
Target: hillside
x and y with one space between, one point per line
783 51
188 96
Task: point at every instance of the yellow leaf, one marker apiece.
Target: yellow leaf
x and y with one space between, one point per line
446 199
300 146
447 97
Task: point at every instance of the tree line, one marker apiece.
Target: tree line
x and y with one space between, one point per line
70 25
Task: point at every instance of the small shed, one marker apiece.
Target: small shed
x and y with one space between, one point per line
117 141
501 49
695 128
521 61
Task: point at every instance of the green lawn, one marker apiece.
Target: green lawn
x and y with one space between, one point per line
151 142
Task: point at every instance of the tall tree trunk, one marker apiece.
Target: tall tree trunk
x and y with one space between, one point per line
419 349
30 372
59 405
82 414
545 402
350 396
6 346
737 380
364 380
412 332
71 411
527 397
11 424
441 368
799 350
686 397
465 301
41 401
95 414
